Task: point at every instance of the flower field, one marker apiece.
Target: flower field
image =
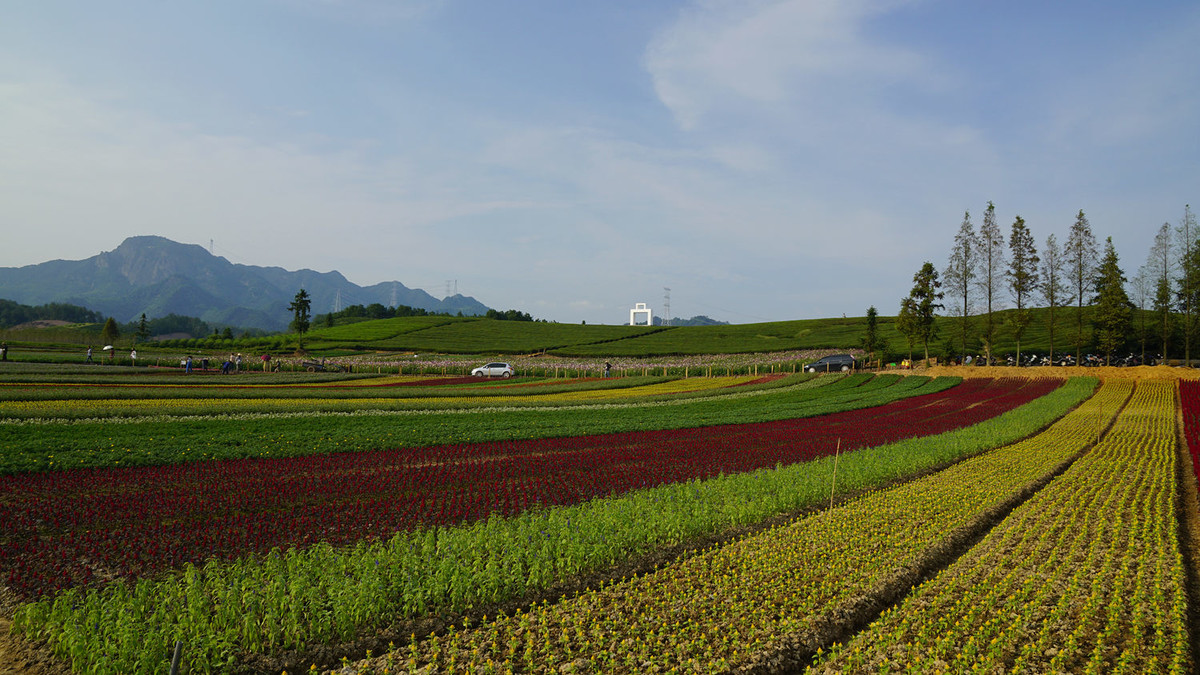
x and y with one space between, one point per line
278 525
128 523
1087 576
51 444
726 604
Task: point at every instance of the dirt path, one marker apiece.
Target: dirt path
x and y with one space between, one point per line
18 655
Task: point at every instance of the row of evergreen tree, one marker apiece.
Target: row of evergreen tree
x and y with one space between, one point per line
983 272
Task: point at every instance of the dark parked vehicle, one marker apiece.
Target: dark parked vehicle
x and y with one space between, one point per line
321 366
829 364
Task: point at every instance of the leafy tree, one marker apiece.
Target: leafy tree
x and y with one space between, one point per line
377 310
1053 292
300 307
110 332
1189 278
870 341
1160 263
508 315
991 270
959 276
1022 275
1080 254
1113 309
924 298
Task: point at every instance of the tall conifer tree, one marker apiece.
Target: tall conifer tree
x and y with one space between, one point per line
1160 261
1189 277
959 277
1022 276
924 304
1054 292
1113 309
1080 253
990 274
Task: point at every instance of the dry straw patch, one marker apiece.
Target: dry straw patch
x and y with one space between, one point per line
1134 373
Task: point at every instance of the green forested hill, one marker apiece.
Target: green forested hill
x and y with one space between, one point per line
476 336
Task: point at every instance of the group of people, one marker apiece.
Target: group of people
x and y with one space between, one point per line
234 362
230 365
112 355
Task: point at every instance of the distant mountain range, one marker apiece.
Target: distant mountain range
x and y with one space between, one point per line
157 276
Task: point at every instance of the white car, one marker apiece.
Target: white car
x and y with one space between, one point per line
497 369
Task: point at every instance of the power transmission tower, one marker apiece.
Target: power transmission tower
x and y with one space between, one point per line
667 307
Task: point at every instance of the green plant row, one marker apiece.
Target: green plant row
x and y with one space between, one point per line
295 599
1085 577
135 442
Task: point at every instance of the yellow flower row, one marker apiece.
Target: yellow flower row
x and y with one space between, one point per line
723 606
1084 577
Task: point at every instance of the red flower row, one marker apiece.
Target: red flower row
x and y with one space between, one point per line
1189 398
80 527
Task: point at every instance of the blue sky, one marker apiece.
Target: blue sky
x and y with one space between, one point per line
765 160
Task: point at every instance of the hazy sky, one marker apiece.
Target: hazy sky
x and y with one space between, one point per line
765 160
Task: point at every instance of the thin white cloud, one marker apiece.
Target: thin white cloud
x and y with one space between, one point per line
722 54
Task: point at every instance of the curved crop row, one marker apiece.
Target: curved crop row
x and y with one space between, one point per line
721 608
70 445
1085 577
290 599
72 527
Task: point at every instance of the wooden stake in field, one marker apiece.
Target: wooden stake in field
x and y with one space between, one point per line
833 486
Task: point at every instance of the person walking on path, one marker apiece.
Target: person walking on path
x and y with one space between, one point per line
607 368
133 356
266 359
187 368
3 351
89 355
